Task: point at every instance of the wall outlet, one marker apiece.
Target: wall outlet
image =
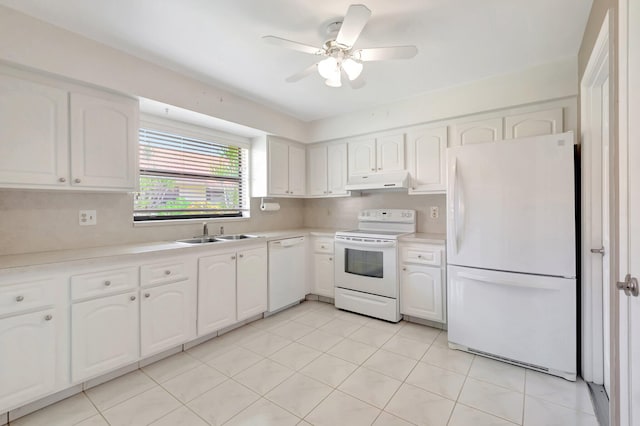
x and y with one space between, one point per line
434 213
87 217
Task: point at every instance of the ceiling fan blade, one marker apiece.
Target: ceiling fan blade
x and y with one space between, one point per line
352 25
283 42
358 83
302 74
384 53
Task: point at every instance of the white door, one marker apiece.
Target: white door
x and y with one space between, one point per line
297 170
34 123
278 167
27 357
251 282
104 140
317 169
323 274
362 157
167 316
427 160
536 123
216 292
390 153
510 206
627 372
337 169
421 292
483 131
104 335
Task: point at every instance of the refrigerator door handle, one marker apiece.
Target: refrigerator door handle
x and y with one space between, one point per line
454 197
460 208
480 278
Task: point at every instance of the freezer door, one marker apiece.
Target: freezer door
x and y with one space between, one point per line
525 318
510 206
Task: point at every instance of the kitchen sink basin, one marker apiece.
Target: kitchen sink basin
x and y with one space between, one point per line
199 240
233 237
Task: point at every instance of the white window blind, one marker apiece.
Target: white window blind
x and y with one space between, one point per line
183 177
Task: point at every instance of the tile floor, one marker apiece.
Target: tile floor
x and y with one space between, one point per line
313 364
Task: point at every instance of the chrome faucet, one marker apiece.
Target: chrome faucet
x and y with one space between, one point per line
222 230
205 229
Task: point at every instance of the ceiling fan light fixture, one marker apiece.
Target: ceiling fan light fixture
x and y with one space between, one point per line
352 68
328 68
334 82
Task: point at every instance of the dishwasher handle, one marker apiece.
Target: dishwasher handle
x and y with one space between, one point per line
289 242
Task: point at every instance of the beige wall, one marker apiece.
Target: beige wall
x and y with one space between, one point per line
342 212
32 221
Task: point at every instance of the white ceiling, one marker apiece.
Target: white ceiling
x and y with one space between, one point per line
219 42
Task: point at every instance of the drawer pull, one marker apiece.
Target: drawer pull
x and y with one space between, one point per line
147 295
107 283
323 247
62 179
48 317
419 256
77 180
19 298
167 272
132 298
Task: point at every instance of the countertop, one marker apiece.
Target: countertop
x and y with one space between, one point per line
424 238
62 256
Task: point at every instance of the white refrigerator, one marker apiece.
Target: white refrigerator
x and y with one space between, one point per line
511 252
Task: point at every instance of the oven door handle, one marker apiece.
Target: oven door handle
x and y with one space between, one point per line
366 243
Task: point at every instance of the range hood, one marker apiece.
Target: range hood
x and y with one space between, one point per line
389 180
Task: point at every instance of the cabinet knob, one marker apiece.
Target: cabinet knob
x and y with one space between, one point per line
48 317
62 179
19 298
147 295
373 170
331 258
379 168
233 258
419 256
107 283
132 298
322 247
241 255
404 269
330 192
167 272
77 180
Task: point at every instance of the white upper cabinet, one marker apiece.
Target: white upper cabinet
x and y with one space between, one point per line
489 130
327 169
426 155
33 133
534 124
278 168
57 135
376 154
390 153
104 140
362 157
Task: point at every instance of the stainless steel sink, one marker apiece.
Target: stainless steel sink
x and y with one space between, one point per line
233 237
199 240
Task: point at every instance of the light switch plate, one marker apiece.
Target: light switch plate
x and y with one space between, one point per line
87 217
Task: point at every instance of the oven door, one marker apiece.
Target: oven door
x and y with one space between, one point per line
367 266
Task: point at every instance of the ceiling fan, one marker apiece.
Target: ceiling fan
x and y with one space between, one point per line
340 58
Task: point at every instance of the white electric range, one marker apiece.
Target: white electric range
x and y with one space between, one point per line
366 266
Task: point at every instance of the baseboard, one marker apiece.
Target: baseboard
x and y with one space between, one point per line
44 402
421 321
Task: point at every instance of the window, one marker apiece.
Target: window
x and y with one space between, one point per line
186 177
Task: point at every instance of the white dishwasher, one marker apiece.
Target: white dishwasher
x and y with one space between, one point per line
287 276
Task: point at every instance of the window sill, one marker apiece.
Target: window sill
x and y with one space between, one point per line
175 222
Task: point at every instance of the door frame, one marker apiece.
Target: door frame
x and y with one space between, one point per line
599 67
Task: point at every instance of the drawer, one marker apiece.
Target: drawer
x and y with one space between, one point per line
423 255
24 296
323 246
163 273
103 283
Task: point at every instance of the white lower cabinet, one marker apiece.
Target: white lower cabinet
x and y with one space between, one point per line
104 334
251 283
167 316
422 283
322 264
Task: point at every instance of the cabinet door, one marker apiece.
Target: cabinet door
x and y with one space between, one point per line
297 170
337 169
104 140
390 153
251 282
533 124
323 274
278 167
421 292
478 132
317 169
216 292
33 134
27 357
104 335
167 316
427 160
362 157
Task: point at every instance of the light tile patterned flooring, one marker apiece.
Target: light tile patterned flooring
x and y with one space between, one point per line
314 364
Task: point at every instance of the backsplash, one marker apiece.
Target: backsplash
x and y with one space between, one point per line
342 212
